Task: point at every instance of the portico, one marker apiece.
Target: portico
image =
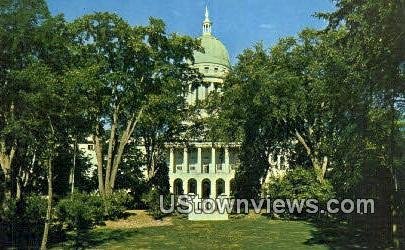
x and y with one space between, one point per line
203 170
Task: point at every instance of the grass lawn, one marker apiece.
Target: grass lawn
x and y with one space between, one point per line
246 233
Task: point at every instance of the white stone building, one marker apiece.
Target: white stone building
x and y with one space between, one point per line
203 168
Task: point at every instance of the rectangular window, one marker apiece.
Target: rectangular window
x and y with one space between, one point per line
179 157
206 169
90 147
219 167
192 154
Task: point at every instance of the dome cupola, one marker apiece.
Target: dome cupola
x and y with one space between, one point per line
214 50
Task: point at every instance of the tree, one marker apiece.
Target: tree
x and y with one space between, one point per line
376 37
19 23
288 97
51 109
126 71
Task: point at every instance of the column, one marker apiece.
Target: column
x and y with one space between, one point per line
213 161
199 188
199 160
185 161
227 188
213 189
172 167
227 167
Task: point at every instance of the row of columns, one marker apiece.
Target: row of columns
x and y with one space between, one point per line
213 163
200 93
200 186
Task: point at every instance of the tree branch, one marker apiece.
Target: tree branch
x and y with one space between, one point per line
111 145
123 142
303 142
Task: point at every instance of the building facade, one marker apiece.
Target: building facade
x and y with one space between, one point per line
205 169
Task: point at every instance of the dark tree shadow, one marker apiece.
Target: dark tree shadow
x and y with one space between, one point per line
95 238
340 234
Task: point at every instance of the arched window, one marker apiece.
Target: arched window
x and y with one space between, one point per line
220 185
206 188
178 187
192 186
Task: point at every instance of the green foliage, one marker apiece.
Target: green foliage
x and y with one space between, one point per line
286 94
34 210
22 222
133 79
2 187
80 211
117 203
300 184
63 163
372 151
131 177
152 200
160 180
8 210
159 186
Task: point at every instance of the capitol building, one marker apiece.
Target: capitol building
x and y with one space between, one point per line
203 168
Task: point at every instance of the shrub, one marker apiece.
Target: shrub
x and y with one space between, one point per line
152 200
35 208
8 210
8 221
300 184
80 211
117 203
22 223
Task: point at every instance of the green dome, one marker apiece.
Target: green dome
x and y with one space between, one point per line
215 52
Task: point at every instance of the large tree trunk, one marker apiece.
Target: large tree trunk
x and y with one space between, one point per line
319 165
49 207
150 154
6 159
23 177
72 172
395 220
131 125
110 153
18 190
114 157
99 156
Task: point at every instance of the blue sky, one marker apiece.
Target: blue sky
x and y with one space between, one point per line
239 24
